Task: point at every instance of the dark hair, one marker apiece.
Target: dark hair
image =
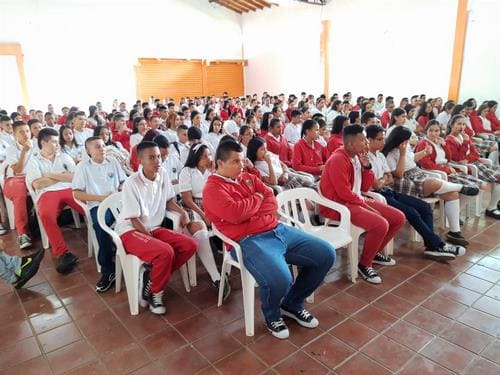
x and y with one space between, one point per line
161 141
398 135
457 109
243 129
150 135
353 115
211 127
5 118
307 125
448 105
264 126
144 146
33 121
225 148
137 120
194 133
182 127
335 103
480 109
17 124
274 122
228 138
491 103
321 122
295 113
62 143
193 115
372 131
118 116
452 121
87 141
432 123
208 112
194 157
367 116
253 146
397 112
13 115
409 107
146 113
351 131
338 124
97 133
422 112
45 134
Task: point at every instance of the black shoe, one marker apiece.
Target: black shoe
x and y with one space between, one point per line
227 288
471 191
495 214
29 267
383 260
456 238
278 329
156 305
369 274
303 317
66 263
145 293
445 252
106 282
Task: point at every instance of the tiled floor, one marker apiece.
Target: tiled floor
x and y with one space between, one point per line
426 318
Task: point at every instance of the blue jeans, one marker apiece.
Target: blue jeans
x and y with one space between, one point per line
8 267
418 213
106 245
267 256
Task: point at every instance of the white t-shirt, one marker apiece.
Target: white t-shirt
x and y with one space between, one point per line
98 179
292 133
443 118
82 136
13 153
213 139
231 127
74 152
440 153
379 164
145 200
7 138
356 187
170 134
264 168
486 123
191 179
266 108
331 116
3 149
135 139
393 158
39 165
172 166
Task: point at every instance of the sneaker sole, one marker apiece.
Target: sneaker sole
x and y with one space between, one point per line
302 323
457 241
277 334
384 263
371 281
25 246
439 256
158 311
105 289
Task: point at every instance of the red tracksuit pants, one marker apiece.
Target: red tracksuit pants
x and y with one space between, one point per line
165 250
50 204
15 190
380 224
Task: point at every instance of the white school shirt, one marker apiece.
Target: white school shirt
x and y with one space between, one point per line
292 133
379 164
7 138
172 166
231 127
3 149
393 158
74 152
170 134
379 107
331 116
135 139
145 200
443 118
39 165
191 179
13 153
98 178
356 187
81 137
263 167
440 153
213 139
486 123
264 108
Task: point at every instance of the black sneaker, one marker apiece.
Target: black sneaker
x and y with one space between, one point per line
106 282
156 305
303 317
471 191
495 214
227 288
446 252
29 267
369 274
24 241
145 293
278 329
383 260
66 263
456 238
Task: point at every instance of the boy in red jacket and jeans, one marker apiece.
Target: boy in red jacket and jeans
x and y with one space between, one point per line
244 209
347 173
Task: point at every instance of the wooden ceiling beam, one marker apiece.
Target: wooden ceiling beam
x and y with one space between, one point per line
252 4
231 4
240 4
222 3
264 3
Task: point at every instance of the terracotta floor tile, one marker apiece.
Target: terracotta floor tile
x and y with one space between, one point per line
71 356
467 338
374 318
445 306
19 352
59 337
196 327
179 308
111 338
488 305
325 291
12 333
409 335
410 293
92 368
426 283
272 350
388 353
327 316
35 291
163 343
492 352
47 321
353 333
346 303
365 291
448 355
80 309
237 330
420 365
300 363
359 361
483 322
484 273
459 294
94 324
150 369
45 304
393 304
483 367
225 314
217 345
328 350
126 359
242 362
182 361
35 366
15 313
472 282
494 292
428 320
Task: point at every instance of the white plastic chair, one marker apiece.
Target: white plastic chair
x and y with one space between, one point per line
92 244
128 263
8 203
43 233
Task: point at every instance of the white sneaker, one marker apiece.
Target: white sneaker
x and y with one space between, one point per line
156 305
369 274
3 230
278 329
24 241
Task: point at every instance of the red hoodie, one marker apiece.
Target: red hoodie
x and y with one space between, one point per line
495 122
477 125
461 151
308 158
336 141
429 161
281 148
337 181
234 207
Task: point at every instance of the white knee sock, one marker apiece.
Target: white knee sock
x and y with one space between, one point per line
452 213
206 255
495 197
448 187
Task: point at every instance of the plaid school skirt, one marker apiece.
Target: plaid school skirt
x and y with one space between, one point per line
483 146
412 183
296 180
193 216
465 179
487 173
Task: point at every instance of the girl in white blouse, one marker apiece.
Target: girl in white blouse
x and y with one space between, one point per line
68 144
214 132
140 128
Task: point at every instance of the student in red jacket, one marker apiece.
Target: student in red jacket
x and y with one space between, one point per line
385 119
337 138
244 209
482 125
492 116
308 154
277 143
345 176
423 116
121 133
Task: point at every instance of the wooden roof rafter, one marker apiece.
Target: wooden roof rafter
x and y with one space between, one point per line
243 6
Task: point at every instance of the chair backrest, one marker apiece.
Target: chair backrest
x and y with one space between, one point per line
292 203
32 192
112 203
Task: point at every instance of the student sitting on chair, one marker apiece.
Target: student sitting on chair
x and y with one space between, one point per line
244 209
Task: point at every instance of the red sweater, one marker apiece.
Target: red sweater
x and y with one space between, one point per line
134 160
477 125
281 148
309 159
336 141
235 208
123 138
224 115
337 181
385 119
422 121
495 122
429 161
461 151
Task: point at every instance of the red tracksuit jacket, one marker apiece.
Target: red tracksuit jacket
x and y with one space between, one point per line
429 161
464 151
309 159
281 148
336 141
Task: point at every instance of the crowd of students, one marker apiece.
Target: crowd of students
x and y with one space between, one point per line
220 161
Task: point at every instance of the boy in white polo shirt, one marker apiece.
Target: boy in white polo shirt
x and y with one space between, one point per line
80 132
147 194
50 174
96 178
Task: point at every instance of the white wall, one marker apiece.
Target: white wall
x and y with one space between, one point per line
80 51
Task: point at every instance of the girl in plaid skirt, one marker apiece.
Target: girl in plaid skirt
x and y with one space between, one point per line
411 180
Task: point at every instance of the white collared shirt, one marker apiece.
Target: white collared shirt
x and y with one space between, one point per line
356 187
13 153
292 132
231 127
81 136
38 166
191 179
393 158
379 164
135 139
